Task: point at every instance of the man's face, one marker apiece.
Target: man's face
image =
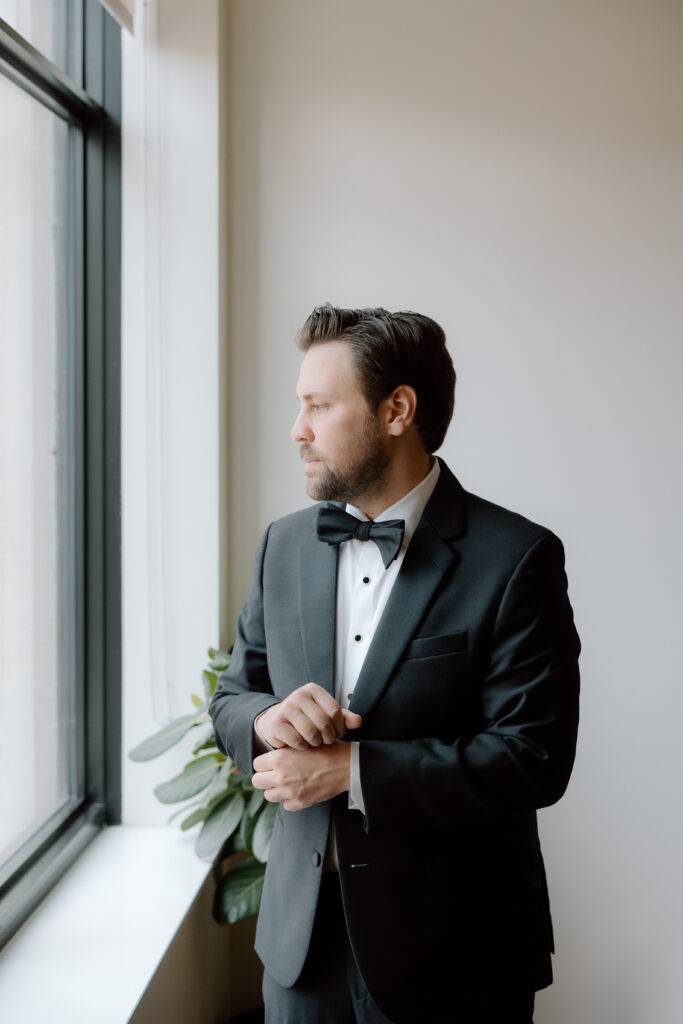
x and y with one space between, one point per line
341 443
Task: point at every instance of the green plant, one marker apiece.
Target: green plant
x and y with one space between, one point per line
235 818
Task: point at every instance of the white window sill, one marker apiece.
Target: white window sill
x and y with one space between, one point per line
90 950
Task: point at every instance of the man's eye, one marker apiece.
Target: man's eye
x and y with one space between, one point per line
318 407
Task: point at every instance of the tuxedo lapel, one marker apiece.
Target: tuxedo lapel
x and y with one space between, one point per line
428 558
317 605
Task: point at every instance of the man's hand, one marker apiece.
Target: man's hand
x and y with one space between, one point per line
308 717
301 778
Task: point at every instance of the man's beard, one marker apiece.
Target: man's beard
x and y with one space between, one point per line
361 477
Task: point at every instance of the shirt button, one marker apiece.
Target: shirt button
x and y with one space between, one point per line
366 579
349 695
316 858
358 638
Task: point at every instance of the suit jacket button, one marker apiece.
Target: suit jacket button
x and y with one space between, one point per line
316 858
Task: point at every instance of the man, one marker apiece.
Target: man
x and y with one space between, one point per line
404 685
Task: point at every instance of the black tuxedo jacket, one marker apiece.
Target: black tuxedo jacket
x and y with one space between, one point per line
469 698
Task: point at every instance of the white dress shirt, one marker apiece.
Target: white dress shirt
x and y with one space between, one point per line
363 588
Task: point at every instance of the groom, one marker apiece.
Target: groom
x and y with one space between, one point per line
404 684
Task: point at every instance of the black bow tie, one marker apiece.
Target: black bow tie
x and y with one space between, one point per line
334 525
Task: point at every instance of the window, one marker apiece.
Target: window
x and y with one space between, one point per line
59 440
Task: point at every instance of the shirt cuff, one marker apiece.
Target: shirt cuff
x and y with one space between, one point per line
356 801
261 746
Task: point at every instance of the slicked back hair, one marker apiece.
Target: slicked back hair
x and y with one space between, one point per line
389 349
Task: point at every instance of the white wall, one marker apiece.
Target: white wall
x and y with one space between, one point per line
513 170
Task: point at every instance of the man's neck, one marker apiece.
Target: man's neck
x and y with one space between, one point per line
401 480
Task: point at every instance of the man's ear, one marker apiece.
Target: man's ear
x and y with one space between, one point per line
400 409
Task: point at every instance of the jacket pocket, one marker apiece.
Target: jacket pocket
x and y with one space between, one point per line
432 646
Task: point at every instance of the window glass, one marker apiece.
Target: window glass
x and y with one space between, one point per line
37 476
46 24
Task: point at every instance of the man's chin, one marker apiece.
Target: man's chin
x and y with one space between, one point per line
321 488
312 486
315 491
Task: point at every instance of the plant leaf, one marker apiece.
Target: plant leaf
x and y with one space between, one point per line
219 826
235 844
221 785
263 832
194 777
201 813
255 802
210 683
247 826
164 739
181 810
205 741
196 700
239 894
219 659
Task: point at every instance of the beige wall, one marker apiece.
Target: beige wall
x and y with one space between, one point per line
209 974
514 170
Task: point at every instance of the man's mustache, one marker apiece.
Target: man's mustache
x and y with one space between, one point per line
309 453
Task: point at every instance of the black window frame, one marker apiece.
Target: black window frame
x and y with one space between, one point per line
95 108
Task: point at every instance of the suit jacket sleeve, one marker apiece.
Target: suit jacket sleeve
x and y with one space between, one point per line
521 754
244 690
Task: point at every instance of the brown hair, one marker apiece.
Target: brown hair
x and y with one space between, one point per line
389 349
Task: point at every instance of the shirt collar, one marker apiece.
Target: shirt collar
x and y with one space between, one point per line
410 507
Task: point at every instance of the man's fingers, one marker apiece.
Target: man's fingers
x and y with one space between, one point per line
325 718
311 722
308 717
283 733
300 778
273 794
276 726
260 780
331 725
265 780
264 762
293 732
310 712
268 778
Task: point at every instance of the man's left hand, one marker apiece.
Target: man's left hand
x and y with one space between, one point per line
301 778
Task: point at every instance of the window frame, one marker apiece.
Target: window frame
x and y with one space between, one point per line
95 242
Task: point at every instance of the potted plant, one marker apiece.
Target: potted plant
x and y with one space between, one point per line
235 818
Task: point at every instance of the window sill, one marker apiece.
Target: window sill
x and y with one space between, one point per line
91 949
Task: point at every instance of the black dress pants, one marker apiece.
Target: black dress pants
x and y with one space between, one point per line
330 989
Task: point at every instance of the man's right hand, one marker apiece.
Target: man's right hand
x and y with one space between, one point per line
308 717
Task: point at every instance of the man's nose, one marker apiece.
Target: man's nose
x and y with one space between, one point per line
301 430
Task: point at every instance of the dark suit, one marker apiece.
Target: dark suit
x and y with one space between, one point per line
469 698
